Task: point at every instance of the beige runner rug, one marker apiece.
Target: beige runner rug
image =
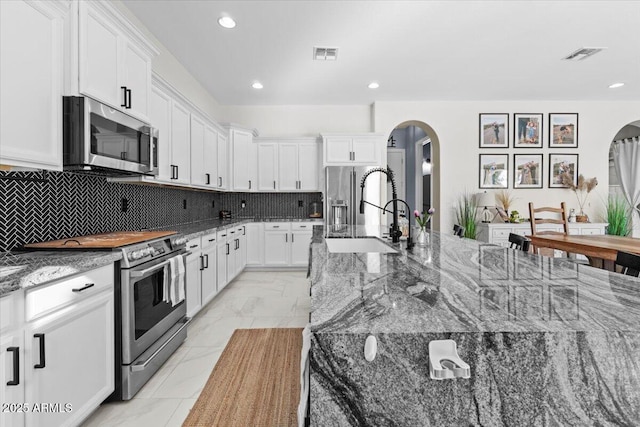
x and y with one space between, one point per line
256 381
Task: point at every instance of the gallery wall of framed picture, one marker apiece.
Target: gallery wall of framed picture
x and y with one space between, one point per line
527 168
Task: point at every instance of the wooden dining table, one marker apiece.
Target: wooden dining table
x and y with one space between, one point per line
601 250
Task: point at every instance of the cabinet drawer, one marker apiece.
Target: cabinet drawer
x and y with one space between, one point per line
591 231
282 226
222 235
302 226
209 240
501 233
193 244
62 292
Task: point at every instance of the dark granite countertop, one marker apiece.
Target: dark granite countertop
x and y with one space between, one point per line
24 270
548 342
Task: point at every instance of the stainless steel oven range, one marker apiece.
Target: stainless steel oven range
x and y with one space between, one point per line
152 328
150 325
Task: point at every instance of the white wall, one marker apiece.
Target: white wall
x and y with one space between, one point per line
301 120
456 125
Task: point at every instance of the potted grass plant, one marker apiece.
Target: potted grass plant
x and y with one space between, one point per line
618 216
467 214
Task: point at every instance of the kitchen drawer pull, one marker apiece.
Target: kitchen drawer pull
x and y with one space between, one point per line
276 226
16 365
42 363
212 240
193 246
86 286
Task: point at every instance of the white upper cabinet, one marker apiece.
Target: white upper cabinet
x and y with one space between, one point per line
361 149
32 50
210 156
160 116
289 164
245 160
114 59
180 143
223 162
268 166
198 177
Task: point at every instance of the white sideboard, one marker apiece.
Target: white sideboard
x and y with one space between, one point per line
498 232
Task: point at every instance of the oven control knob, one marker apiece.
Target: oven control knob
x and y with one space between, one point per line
136 254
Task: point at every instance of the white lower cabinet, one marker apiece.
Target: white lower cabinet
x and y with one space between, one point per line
222 255
255 244
285 244
71 363
57 350
201 275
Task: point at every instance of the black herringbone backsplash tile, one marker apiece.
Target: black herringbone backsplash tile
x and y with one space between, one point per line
66 205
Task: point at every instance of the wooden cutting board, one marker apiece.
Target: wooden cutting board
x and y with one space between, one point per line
102 241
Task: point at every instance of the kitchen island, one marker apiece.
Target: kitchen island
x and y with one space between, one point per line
549 342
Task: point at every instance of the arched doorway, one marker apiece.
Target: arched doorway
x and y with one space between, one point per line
629 135
418 140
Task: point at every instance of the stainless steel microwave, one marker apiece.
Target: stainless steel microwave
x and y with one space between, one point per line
101 140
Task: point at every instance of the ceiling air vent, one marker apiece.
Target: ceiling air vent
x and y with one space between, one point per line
583 53
325 53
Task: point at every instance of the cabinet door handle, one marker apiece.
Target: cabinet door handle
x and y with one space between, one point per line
244 230
208 178
274 185
206 258
42 363
177 171
292 238
16 365
219 181
249 184
202 267
227 249
128 92
86 286
124 96
286 237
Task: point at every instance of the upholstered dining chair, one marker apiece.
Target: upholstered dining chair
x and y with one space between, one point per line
458 230
519 242
630 263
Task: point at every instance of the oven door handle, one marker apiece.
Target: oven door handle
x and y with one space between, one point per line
141 366
146 271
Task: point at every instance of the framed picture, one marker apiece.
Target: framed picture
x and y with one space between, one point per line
560 164
494 171
527 171
563 130
528 130
494 130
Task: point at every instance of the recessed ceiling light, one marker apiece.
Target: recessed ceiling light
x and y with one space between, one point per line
226 22
257 85
373 85
615 85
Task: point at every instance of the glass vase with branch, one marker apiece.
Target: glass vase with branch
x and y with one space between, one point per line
581 189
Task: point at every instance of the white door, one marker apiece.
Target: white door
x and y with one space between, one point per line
309 166
160 116
99 58
241 144
198 177
31 78
137 79
287 166
209 275
254 244
276 247
337 150
79 376
268 166
210 156
300 241
193 280
180 143
12 377
223 163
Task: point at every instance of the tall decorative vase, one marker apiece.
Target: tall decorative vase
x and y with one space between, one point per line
422 236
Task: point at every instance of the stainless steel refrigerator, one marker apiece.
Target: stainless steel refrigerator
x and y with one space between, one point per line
343 197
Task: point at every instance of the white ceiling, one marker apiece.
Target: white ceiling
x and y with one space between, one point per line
416 50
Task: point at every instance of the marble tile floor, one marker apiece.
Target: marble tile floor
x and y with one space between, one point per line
252 300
